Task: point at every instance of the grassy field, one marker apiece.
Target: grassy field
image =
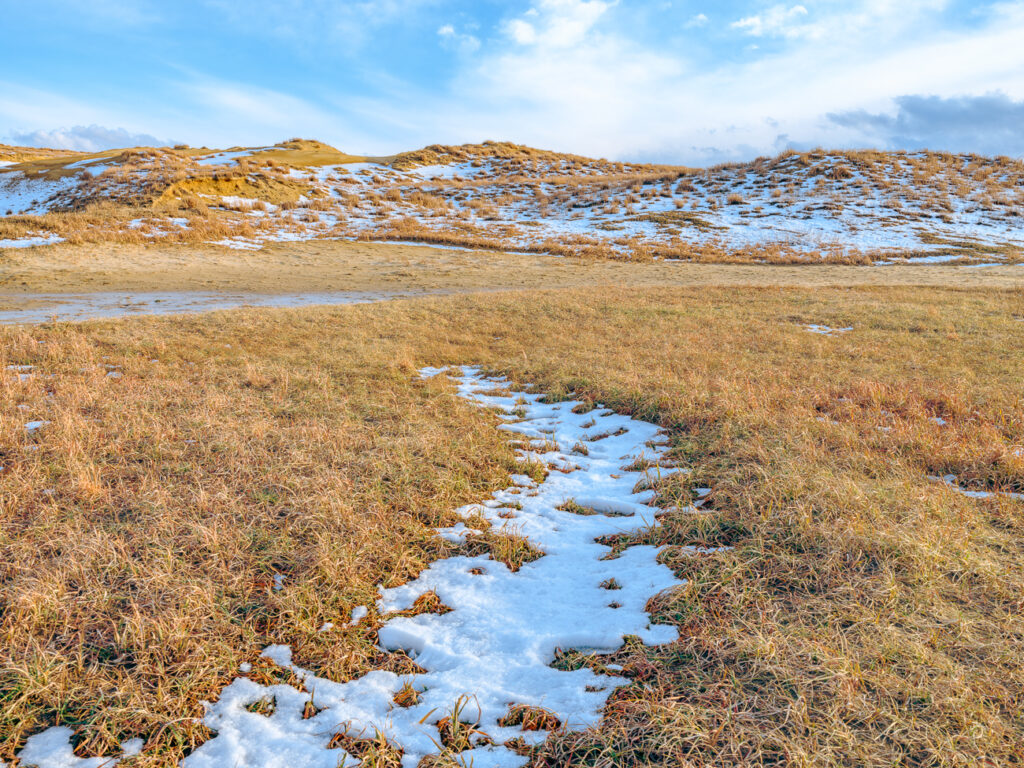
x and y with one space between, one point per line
863 616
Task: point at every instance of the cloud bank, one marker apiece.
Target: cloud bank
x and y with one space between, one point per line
991 124
85 138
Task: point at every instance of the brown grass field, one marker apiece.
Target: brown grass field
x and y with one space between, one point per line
864 615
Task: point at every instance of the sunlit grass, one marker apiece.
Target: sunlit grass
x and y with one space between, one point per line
859 613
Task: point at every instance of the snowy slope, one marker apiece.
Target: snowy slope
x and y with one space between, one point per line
854 206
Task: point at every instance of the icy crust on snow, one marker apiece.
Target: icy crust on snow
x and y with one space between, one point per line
494 648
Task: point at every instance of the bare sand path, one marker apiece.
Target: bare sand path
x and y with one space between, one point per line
39 280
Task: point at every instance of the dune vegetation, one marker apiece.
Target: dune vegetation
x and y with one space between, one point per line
820 206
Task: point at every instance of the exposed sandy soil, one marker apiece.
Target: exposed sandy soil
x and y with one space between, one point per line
322 266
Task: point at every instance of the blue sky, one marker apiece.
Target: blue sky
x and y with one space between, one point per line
661 80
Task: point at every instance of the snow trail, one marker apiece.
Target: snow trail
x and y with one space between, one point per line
493 650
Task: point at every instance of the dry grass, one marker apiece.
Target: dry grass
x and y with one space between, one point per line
13 154
863 616
140 539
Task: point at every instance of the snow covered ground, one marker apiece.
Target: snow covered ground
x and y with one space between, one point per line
492 652
230 158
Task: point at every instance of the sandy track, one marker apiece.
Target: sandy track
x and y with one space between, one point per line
324 266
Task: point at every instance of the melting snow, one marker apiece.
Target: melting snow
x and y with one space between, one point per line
22 194
495 647
53 748
950 480
940 258
223 158
28 242
824 330
358 614
442 171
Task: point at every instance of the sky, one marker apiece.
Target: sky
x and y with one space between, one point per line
679 81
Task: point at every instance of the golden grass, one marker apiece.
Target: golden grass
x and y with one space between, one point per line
13 154
306 152
261 187
864 615
108 222
517 156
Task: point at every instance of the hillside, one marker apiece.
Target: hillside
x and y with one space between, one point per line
832 206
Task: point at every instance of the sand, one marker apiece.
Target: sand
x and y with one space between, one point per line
26 275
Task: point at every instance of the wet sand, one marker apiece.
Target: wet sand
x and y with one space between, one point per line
43 307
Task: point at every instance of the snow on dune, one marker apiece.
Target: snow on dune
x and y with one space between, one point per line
223 158
444 171
494 649
93 164
913 209
20 194
226 158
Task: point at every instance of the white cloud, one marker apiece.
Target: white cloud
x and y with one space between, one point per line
557 23
699 20
521 31
777 20
85 138
462 42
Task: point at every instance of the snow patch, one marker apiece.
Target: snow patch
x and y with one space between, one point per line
52 749
31 242
825 330
951 481
223 158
